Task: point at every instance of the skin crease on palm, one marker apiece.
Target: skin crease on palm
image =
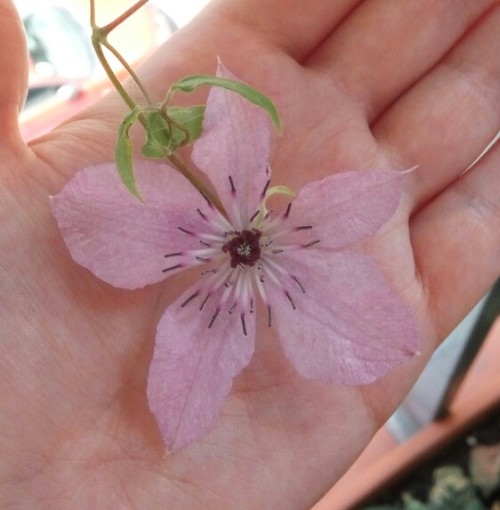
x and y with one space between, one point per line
360 84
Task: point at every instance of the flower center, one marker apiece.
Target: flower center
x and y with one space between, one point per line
244 247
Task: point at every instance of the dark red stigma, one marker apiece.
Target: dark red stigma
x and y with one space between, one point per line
244 248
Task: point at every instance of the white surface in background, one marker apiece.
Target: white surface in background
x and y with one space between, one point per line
181 11
420 405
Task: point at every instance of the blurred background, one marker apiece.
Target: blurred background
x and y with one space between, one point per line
64 74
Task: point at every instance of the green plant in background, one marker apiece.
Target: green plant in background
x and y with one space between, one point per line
452 490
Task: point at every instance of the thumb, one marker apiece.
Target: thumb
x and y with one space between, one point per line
13 71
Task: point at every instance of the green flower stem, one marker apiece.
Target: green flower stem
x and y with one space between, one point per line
118 21
99 39
197 183
130 71
96 43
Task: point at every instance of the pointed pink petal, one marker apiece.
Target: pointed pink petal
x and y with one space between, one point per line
193 366
236 143
347 207
120 239
349 327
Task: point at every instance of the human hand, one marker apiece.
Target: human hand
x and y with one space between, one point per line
389 86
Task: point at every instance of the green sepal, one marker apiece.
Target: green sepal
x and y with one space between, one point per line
191 119
157 136
123 152
190 83
165 134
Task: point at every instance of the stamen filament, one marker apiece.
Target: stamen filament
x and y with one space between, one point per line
203 252
276 266
271 275
243 325
190 298
263 194
312 243
217 221
260 287
204 301
296 280
171 268
211 237
185 231
287 294
214 317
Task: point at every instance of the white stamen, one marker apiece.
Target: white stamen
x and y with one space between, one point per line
276 266
267 270
218 221
260 287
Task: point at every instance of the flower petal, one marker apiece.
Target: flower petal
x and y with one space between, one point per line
347 207
349 326
193 366
235 143
120 239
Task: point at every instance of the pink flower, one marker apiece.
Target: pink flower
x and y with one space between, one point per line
337 318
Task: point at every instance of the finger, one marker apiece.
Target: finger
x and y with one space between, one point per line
456 240
384 46
296 27
446 120
13 70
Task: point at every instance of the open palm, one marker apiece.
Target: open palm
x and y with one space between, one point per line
360 84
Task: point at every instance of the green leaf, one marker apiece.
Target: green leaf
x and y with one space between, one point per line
123 152
190 83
